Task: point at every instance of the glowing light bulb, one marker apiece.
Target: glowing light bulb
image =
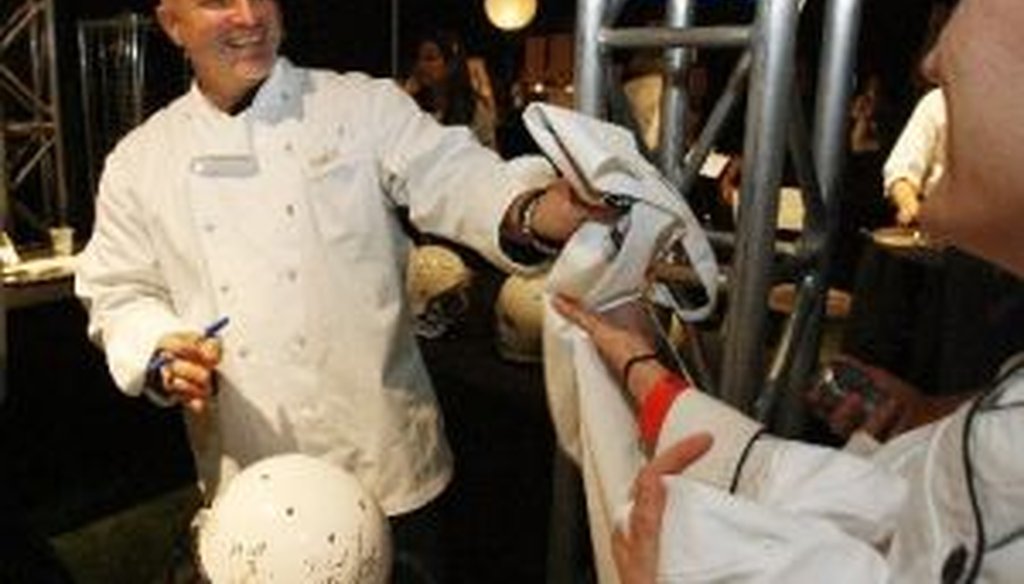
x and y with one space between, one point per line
510 14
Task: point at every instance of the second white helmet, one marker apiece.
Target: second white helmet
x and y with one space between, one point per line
437 284
519 317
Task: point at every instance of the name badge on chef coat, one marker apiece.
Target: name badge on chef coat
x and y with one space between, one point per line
224 166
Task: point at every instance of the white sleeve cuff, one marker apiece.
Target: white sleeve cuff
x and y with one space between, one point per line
733 432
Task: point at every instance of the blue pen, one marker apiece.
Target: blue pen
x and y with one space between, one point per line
209 332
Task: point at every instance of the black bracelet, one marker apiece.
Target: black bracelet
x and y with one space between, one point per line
635 359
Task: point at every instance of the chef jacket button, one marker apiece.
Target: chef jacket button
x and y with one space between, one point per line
299 343
243 352
288 147
224 288
209 227
292 275
289 209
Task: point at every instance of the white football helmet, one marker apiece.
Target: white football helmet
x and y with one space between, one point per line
519 317
296 519
437 283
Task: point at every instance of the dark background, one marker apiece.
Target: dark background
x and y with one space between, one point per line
357 35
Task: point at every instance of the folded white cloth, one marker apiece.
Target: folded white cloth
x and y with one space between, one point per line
603 266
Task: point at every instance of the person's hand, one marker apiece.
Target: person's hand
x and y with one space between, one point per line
557 213
729 181
619 335
635 549
890 407
905 197
188 375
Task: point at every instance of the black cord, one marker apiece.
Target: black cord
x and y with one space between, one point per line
969 471
972 492
735 484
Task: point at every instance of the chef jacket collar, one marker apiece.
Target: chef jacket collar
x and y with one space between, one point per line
278 98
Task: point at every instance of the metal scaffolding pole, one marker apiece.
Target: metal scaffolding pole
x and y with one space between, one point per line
747 376
773 124
768 102
32 129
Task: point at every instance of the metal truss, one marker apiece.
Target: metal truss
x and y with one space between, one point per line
31 124
747 376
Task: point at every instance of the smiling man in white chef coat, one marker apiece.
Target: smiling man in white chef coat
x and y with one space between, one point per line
267 194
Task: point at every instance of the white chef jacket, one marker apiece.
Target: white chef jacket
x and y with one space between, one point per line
919 155
803 513
281 218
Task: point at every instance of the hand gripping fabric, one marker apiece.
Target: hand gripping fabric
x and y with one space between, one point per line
604 266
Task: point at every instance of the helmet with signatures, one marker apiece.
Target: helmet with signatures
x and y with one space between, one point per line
437 284
294 518
519 317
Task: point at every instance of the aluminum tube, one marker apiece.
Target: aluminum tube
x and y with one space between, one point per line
24 94
840 33
4 210
816 223
808 292
566 537
800 334
716 121
84 66
590 73
764 148
59 178
835 88
4 191
43 144
709 37
675 96
22 17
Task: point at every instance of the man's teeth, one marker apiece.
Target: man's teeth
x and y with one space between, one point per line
245 42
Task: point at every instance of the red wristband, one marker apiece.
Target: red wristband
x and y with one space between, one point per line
657 403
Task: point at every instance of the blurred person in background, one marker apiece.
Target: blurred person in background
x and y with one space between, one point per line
915 164
442 83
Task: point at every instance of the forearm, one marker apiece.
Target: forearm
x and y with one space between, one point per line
709 536
452 186
846 490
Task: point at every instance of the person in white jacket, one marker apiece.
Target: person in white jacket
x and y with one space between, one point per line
267 195
941 501
916 162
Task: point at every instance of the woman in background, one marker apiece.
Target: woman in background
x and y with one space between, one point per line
441 83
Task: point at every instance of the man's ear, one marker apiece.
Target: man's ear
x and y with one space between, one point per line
168 20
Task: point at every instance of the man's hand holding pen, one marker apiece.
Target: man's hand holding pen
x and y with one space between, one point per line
185 363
